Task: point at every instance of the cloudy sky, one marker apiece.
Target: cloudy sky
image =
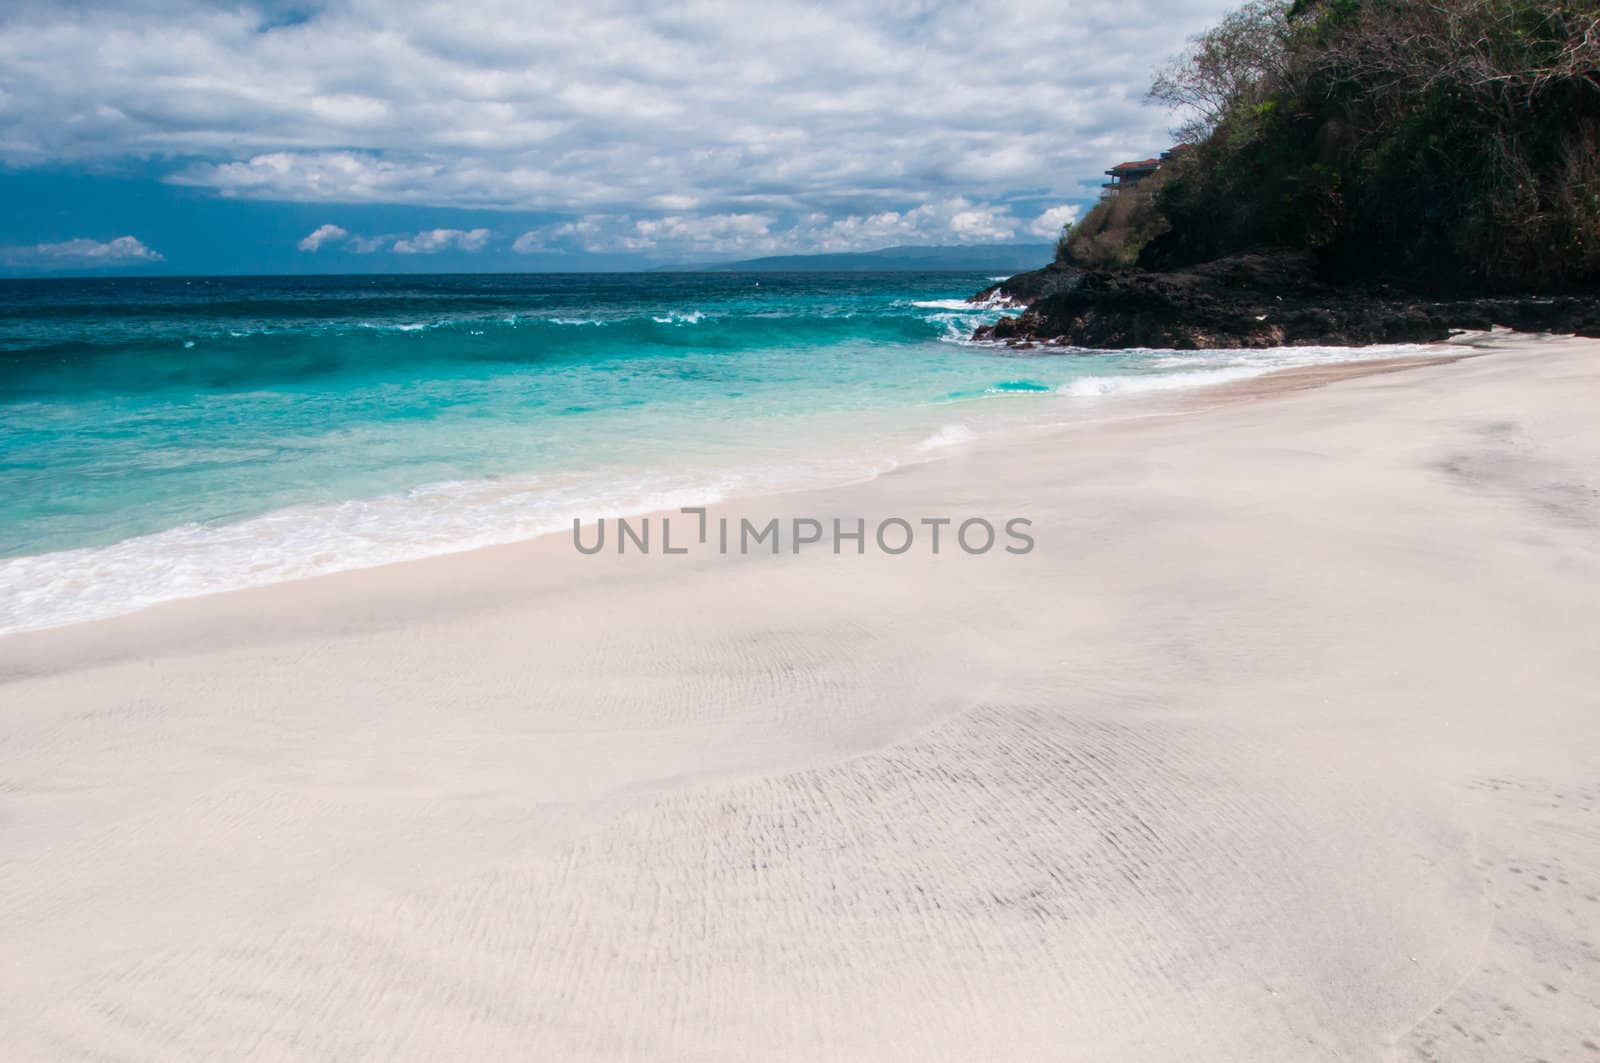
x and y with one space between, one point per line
167 136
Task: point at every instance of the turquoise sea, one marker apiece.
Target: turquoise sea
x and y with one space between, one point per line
169 437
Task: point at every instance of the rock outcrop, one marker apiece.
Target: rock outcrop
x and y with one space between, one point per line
1265 298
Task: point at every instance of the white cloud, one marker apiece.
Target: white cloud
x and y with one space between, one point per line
976 224
947 221
674 202
82 252
531 242
860 115
1050 222
322 234
720 232
426 243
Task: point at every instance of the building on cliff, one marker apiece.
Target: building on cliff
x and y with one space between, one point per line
1126 175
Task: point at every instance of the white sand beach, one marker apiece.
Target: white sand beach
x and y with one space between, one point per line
1282 744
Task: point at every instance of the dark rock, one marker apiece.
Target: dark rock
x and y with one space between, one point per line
1264 298
1029 287
1005 329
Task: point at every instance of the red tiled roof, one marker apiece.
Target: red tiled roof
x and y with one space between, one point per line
1142 164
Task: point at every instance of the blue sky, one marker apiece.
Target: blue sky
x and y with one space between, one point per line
164 136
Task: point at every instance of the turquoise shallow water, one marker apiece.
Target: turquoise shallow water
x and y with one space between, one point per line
166 437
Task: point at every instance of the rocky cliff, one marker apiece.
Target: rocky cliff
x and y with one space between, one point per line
1265 298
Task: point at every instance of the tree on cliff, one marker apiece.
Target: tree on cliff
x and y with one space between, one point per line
1231 65
1450 140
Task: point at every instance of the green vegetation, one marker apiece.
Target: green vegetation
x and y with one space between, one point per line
1113 232
1440 142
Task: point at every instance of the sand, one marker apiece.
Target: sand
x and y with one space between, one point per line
1282 744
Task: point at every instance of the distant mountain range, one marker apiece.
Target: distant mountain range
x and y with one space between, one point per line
1001 258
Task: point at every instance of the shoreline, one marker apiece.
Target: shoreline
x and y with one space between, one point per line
1069 418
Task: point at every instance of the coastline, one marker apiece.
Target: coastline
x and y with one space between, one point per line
1266 297
1280 745
86 584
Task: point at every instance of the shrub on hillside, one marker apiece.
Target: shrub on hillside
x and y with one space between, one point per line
1445 140
1113 233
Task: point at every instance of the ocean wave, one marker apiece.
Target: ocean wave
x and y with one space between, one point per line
395 326
258 352
1015 387
956 325
951 435
91 583
946 304
968 306
1206 368
1099 386
957 318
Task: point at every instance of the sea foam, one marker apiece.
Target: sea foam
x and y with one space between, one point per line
1209 368
951 435
69 586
